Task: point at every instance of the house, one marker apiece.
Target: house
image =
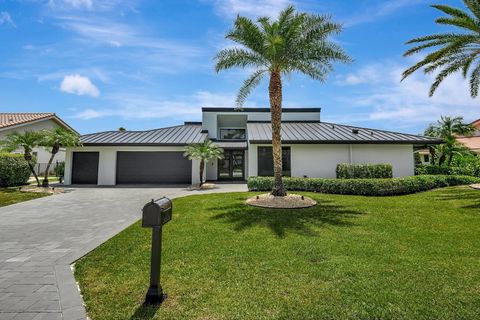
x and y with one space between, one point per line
472 142
21 122
311 148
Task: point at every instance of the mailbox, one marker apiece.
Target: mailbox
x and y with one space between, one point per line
156 213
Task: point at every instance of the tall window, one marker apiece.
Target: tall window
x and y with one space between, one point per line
265 161
232 134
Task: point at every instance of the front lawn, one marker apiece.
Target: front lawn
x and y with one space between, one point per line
351 257
10 196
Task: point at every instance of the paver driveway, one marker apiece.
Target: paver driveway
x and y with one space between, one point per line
39 239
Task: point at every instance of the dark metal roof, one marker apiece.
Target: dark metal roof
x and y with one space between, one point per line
323 132
178 135
287 110
240 145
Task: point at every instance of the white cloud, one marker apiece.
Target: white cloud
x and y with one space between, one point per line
374 13
252 8
6 19
77 84
91 5
385 98
144 107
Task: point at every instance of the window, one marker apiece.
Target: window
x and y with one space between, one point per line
265 161
426 158
232 134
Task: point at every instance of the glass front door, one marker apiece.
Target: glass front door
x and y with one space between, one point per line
231 167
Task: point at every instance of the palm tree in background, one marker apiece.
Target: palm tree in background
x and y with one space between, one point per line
54 139
448 128
204 152
456 51
294 42
27 141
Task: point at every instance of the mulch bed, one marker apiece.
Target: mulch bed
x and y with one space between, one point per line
291 201
51 190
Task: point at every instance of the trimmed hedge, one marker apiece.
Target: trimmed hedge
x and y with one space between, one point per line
364 171
364 187
467 170
14 170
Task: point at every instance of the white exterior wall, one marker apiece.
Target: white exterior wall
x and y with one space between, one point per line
108 160
42 155
320 160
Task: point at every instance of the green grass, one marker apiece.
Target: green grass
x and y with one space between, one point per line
10 196
351 257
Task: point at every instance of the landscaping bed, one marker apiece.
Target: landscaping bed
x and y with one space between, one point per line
349 257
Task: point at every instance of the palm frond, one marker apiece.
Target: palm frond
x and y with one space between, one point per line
247 87
461 23
452 11
238 57
452 68
475 81
474 6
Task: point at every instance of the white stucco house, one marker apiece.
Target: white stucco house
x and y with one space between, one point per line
21 122
311 148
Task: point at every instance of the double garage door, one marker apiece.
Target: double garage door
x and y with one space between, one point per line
135 168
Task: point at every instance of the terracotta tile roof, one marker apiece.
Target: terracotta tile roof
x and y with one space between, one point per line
13 119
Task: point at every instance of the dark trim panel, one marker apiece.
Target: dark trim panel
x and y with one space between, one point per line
134 144
287 110
415 142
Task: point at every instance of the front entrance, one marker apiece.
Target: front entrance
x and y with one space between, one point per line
232 166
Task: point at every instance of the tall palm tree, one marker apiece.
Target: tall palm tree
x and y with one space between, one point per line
294 42
204 152
448 128
54 139
455 51
26 141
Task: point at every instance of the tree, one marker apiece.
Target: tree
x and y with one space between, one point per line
448 128
455 51
26 141
293 43
122 129
55 139
204 152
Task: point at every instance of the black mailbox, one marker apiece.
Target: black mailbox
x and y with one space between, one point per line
157 212
154 215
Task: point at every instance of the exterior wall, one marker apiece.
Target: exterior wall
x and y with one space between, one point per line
212 170
42 155
209 119
108 160
320 160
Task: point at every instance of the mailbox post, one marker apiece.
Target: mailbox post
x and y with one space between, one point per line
155 214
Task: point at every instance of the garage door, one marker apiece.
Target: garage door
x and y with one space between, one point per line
85 168
153 168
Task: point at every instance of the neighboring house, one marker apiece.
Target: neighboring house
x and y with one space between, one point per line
310 148
473 142
21 122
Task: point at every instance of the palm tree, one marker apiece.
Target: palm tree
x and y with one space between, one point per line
54 139
456 51
448 128
294 42
204 152
27 141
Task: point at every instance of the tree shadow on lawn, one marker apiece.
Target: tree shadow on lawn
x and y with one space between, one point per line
279 221
471 196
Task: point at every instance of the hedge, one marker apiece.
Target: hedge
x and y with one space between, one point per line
14 170
365 187
467 170
363 171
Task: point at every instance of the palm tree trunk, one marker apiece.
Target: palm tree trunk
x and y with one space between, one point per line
45 182
432 155
202 168
28 157
275 92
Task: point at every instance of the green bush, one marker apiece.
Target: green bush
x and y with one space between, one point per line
363 171
60 169
365 187
467 170
14 170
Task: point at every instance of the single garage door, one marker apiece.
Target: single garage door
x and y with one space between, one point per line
85 168
153 168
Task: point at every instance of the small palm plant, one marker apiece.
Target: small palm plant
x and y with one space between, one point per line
27 141
204 152
293 43
455 51
55 139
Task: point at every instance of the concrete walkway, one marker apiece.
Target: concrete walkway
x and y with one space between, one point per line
40 239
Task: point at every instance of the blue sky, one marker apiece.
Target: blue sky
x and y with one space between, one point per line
146 64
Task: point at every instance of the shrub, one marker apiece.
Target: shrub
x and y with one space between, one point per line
60 169
467 170
365 187
14 170
363 171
